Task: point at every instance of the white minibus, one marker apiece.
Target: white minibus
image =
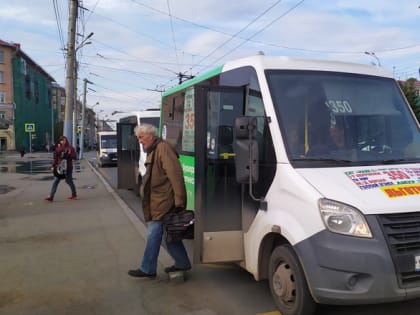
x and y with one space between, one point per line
305 173
106 147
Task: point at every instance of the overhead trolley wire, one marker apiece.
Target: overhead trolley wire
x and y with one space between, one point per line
240 31
261 30
59 29
173 33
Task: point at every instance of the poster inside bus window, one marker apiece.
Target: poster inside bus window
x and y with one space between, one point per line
188 130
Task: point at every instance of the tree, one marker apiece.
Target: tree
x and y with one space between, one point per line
409 89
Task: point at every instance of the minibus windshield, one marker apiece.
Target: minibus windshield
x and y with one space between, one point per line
108 141
329 117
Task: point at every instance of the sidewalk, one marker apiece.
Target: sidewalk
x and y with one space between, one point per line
72 256
69 256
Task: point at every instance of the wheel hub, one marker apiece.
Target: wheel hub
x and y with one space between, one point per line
283 283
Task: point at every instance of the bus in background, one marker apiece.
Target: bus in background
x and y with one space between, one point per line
132 155
106 148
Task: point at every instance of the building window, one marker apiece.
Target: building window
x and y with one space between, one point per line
1 56
28 86
23 67
36 91
2 97
2 115
1 77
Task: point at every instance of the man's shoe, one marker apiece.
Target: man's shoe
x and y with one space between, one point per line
49 198
175 269
140 274
72 197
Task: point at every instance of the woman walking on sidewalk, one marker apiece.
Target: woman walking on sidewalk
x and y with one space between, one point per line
62 167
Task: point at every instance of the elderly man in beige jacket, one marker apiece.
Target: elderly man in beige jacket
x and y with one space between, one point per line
162 190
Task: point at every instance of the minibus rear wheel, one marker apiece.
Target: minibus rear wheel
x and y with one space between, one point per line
288 283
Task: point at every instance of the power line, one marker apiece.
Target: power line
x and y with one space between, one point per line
138 60
59 29
125 53
231 37
250 39
261 30
123 70
131 28
240 31
173 33
225 33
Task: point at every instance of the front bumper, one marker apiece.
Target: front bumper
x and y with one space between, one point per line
109 159
349 270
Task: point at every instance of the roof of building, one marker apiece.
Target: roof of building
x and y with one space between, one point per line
20 52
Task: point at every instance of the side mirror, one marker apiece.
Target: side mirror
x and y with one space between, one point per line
246 150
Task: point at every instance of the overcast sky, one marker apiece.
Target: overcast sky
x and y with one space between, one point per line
139 46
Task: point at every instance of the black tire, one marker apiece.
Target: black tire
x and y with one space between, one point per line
288 284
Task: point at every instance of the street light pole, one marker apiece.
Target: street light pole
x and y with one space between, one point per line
82 127
372 54
93 131
76 110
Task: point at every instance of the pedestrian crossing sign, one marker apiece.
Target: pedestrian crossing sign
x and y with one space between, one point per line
29 127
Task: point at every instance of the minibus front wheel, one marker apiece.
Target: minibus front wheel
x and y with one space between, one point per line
288 283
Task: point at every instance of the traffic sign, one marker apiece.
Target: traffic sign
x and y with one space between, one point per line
29 127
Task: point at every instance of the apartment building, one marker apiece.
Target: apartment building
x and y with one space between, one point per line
26 97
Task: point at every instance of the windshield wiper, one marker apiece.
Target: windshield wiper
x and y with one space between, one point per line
329 160
398 161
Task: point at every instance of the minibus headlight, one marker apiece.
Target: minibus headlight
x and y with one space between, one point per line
343 219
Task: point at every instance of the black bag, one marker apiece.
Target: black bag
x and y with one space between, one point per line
178 225
60 170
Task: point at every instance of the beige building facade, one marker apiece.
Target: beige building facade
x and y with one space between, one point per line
6 98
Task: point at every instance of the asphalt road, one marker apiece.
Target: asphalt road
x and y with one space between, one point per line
60 259
255 297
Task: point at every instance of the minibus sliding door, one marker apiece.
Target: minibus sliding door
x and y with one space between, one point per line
218 203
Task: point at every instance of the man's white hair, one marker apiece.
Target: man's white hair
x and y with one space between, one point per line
146 129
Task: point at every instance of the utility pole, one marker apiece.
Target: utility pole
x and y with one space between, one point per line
82 127
75 106
71 57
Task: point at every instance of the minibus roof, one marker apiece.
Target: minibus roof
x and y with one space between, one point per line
288 63
261 62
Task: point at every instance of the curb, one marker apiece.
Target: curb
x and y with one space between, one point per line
164 258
